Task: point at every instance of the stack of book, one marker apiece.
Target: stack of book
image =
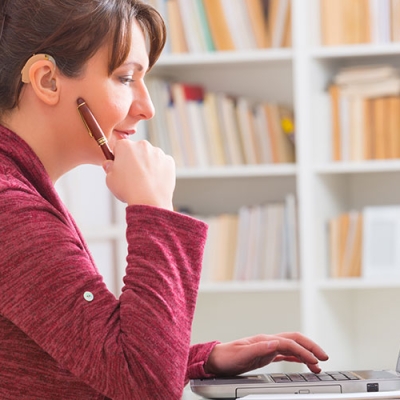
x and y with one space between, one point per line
258 243
201 129
366 243
365 105
359 21
220 25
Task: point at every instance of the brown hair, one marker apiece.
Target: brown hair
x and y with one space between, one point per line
71 31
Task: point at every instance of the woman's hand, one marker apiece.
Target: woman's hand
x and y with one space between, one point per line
244 355
141 174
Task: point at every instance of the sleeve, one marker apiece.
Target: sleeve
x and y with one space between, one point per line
133 347
198 356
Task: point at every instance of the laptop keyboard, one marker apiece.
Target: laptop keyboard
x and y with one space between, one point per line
310 377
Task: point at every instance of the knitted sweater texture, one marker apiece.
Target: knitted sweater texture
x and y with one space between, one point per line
58 343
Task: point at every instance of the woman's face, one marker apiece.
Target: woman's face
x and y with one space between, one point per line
118 101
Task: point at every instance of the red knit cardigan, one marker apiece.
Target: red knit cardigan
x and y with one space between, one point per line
63 335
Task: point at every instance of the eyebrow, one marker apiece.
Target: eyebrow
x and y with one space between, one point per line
137 66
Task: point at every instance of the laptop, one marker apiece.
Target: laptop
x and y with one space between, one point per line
298 383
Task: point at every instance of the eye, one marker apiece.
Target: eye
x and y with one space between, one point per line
126 80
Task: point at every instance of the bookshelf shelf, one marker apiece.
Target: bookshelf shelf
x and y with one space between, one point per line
225 57
251 286
359 167
358 284
237 171
354 51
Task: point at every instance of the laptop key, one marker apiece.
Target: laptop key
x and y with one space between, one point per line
340 377
280 378
350 376
296 378
310 377
325 378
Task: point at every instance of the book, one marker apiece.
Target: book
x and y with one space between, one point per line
377 88
346 22
332 24
287 32
176 31
395 20
355 268
349 261
243 242
198 132
381 242
230 131
218 25
175 135
334 234
258 23
380 21
226 242
344 222
393 124
365 73
380 131
281 145
204 26
236 24
213 130
192 26
246 130
262 135
336 137
356 128
368 129
290 264
278 15
274 241
159 92
180 94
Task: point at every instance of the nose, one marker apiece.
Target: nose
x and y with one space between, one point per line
142 105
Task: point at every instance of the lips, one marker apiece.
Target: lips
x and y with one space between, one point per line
124 134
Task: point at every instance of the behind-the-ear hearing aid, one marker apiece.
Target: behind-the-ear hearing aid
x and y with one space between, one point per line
31 61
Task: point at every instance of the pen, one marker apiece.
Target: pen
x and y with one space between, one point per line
94 128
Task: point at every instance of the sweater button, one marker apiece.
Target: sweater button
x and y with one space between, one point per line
88 296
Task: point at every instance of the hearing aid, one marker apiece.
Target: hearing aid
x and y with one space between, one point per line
31 61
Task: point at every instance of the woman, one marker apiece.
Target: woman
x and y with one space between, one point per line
63 335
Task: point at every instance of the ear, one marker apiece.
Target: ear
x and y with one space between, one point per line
44 81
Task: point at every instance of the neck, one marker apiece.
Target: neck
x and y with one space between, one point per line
44 137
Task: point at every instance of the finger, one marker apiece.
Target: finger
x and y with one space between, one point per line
289 347
281 357
307 344
312 367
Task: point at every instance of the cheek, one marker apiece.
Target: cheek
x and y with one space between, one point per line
115 108
113 114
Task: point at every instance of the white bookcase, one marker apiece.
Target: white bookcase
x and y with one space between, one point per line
357 321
